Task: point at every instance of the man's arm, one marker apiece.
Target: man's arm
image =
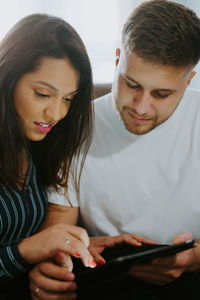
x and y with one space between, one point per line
60 214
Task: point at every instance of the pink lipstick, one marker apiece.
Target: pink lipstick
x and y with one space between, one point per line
43 127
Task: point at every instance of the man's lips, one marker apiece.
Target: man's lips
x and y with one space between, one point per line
137 119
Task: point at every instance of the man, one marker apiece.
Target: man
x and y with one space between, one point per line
142 171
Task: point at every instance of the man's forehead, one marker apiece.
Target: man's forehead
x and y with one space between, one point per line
146 72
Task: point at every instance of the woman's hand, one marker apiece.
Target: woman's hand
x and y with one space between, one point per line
64 238
98 244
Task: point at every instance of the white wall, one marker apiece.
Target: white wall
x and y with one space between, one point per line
99 23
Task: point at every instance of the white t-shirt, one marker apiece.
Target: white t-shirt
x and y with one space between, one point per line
147 184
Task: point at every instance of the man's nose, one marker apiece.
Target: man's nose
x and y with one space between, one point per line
142 102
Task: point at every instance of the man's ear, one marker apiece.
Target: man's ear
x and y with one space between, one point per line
117 56
192 74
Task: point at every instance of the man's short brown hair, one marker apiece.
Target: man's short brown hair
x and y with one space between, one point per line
163 32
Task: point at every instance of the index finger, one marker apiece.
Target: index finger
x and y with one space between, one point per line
79 233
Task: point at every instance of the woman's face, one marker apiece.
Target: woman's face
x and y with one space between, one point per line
42 98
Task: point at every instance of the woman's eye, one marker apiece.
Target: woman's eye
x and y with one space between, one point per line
41 94
67 99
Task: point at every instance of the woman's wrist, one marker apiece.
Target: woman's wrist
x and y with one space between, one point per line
24 248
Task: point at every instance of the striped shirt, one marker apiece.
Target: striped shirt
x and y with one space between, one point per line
21 214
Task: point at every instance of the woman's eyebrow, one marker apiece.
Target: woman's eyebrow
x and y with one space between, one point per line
47 84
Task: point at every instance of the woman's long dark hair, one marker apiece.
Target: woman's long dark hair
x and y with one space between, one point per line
35 37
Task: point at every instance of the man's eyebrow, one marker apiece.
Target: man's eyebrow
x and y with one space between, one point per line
130 79
167 90
158 89
47 84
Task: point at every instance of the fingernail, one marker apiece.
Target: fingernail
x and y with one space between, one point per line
151 242
78 254
88 263
101 262
70 276
73 286
139 243
93 264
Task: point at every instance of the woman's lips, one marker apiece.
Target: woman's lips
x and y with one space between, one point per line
138 120
43 127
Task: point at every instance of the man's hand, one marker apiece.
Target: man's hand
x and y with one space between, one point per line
98 244
51 281
161 271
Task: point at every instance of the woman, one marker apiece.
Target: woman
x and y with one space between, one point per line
45 116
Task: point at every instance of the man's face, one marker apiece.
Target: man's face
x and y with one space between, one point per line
146 94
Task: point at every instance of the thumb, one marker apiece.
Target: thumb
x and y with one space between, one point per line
64 260
182 237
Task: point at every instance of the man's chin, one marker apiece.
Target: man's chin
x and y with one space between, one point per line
139 130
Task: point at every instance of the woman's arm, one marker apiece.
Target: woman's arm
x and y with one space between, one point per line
11 262
65 238
48 276
18 258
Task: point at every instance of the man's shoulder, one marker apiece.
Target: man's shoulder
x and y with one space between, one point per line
100 103
192 95
103 108
189 111
104 124
191 103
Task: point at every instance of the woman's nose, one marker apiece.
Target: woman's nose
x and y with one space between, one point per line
57 109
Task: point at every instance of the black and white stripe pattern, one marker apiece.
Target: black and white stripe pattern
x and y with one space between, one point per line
21 214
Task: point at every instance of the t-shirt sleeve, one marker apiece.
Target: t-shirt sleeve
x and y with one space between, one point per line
61 198
12 263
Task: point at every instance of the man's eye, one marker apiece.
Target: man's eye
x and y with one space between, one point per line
132 86
162 96
41 95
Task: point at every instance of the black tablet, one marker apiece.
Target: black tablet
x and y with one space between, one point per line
120 259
